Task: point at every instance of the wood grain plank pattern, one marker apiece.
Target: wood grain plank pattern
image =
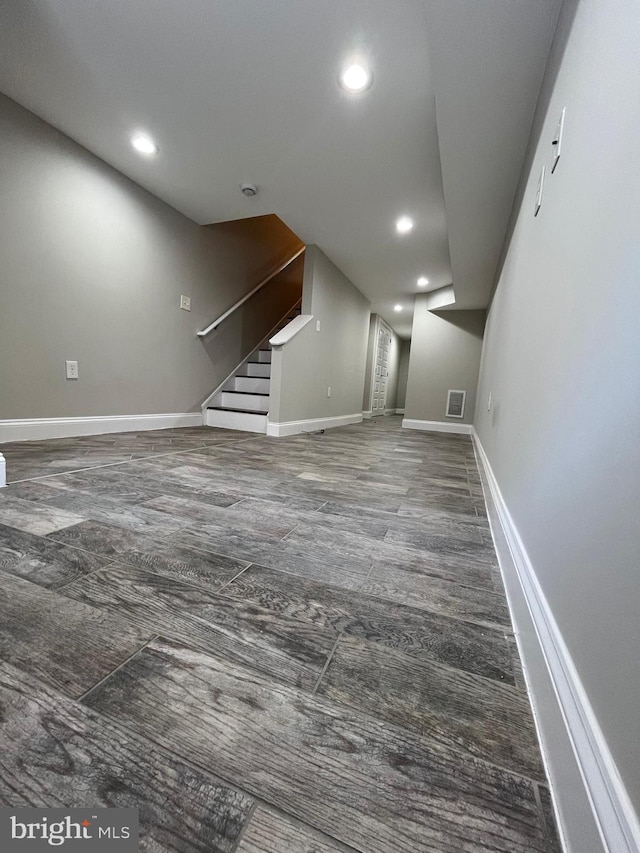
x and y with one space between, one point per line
32 490
126 480
270 832
195 514
453 567
549 820
254 509
42 561
420 633
130 516
57 753
303 560
488 720
441 596
451 543
284 648
372 785
190 565
35 517
66 644
432 520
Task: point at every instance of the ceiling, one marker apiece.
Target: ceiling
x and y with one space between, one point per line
247 90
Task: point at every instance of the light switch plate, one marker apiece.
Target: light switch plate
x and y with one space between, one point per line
185 303
317 325
557 141
72 369
540 190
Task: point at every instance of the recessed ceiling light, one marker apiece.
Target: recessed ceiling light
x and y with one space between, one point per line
397 307
423 281
356 78
404 225
144 144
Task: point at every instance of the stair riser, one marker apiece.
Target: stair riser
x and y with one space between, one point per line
231 400
236 420
263 356
244 383
256 370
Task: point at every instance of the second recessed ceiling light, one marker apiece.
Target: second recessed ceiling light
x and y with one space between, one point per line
144 144
423 281
404 225
356 78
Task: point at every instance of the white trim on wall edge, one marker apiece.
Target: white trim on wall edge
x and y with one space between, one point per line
368 415
33 429
437 426
278 430
612 809
3 472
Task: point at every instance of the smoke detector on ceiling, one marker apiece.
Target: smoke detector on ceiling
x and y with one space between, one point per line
249 190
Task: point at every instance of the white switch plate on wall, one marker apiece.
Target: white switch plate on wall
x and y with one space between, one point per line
185 303
72 369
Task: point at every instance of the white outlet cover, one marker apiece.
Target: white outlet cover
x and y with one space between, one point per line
557 141
72 369
185 303
317 325
540 190
329 391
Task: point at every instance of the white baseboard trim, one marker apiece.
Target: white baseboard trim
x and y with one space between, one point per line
437 426
399 411
3 472
34 429
367 415
612 809
278 430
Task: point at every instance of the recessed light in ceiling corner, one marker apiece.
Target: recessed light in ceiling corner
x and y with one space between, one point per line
404 224
356 78
397 307
423 281
144 144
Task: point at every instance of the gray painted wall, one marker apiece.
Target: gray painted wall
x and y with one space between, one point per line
403 373
445 354
92 270
562 362
335 356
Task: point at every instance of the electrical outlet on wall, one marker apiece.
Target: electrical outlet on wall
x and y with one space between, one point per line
72 369
185 303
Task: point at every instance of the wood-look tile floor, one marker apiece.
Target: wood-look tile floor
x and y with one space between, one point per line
296 645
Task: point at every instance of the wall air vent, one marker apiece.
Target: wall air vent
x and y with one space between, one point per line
455 404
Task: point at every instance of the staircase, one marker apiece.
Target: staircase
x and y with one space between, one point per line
243 401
